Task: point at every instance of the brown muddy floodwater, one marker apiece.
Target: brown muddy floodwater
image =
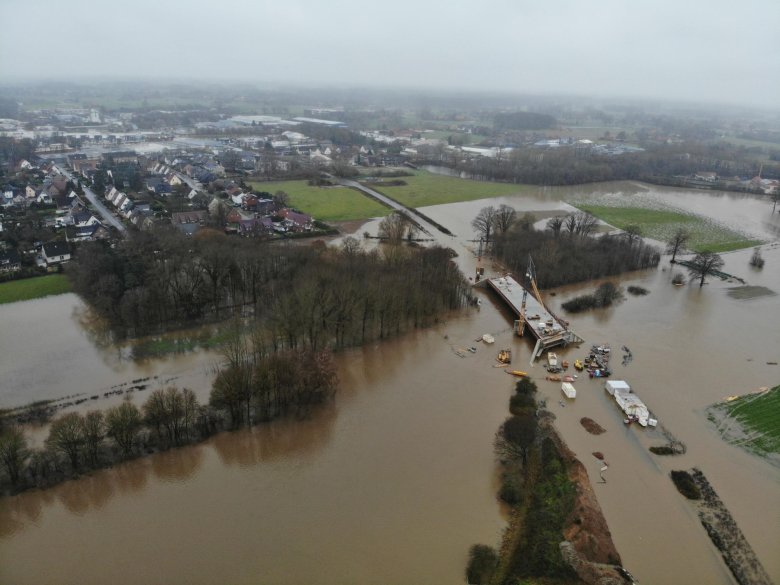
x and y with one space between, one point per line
393 482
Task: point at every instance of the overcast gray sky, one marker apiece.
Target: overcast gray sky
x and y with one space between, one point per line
724 51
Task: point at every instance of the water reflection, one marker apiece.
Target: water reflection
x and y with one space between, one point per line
276 440
177 465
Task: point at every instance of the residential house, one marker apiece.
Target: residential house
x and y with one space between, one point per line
7 198
249 203
158 185
84 218
173 179
295 221
10 261
55 253
189 222
235 216
86 233
255 226
121 157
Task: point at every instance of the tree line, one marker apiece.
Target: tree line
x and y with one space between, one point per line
535 483
566 252
81 442
304 296
254 386
574 165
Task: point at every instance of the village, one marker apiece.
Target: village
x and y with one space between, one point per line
91 174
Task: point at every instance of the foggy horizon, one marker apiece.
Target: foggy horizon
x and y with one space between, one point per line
717 52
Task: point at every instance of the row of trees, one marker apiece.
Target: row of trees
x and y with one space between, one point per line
576 165
566 252
494 220
254 386
78 442
534 480
306 296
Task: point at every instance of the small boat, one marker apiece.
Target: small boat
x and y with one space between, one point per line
487 338
578 365
500 365
553 378
517 373
565 365
568 379
473 349
505 356
552 359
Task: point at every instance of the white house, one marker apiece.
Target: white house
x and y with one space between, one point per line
55 253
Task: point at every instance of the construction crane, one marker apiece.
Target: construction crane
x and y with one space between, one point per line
530 274
480 270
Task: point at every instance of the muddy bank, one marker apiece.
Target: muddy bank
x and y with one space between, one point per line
588 547
556 516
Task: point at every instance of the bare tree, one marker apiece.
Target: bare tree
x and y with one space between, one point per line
555 224
485 222
705 263
67 436
580 223
587 223
13 452
94 430
504 218
394 227
281 199
677 242
123 423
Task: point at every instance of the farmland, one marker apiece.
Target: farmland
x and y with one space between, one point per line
660 224
33 288
326 203
424 189
751 421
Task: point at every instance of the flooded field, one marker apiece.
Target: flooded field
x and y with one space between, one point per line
393 482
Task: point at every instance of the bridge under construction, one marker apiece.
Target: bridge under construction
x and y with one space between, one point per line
532 314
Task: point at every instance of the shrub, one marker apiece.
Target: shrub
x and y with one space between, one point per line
482 563
638 290
580 304
678 278
756 260
604 296
685 485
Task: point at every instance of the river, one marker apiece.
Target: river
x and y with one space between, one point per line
394 481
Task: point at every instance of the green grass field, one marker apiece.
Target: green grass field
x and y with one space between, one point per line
33 288
326 203
759 416
661 224
425 189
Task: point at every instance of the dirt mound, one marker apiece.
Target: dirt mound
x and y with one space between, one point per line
592 426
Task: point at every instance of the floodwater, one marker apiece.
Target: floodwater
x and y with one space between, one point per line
393 482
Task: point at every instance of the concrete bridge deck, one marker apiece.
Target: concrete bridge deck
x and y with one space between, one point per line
549 330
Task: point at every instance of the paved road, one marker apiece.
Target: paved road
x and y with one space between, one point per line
191 183
97 204
431 230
